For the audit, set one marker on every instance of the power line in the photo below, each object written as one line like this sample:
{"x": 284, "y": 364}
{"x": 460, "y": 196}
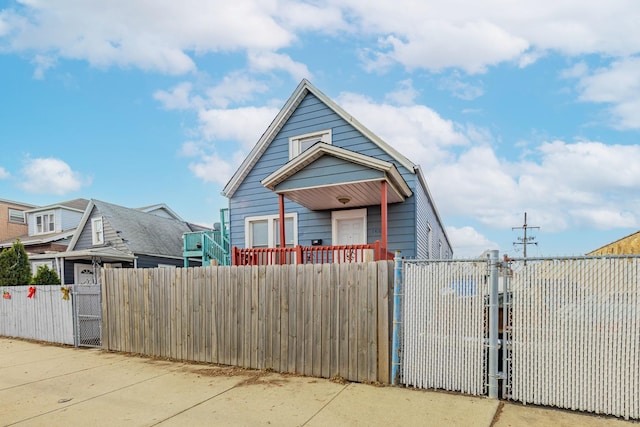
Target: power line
{"x": 525, "y": 240}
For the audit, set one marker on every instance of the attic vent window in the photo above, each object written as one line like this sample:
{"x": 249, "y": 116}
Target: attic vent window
{"x": 16, "y": 215}
{"x": 97, "y": 231}
{"x": 300, "y": 143}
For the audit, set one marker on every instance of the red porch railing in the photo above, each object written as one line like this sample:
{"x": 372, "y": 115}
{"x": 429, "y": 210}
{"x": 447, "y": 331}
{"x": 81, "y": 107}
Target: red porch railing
{"x": 310, "y": 254}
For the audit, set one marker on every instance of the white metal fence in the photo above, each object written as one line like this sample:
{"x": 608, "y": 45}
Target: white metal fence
{"x": 44, "y": 316}
{"x": 444, "y": 325}
{"x": 575, "y": 334}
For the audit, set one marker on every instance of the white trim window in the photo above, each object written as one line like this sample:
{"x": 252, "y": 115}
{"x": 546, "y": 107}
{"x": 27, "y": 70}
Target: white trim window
{"x": 45, "y": 223}
{"x": 300, "y": 143}
{"x": 264, "y": 231}
{"x": 356, "y": 219}
{"x": 16, "y": 215}
{"x": 97, "y": 231}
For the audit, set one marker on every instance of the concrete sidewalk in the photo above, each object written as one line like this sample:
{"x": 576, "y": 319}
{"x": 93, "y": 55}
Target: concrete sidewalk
{"x": 46, "y": 385}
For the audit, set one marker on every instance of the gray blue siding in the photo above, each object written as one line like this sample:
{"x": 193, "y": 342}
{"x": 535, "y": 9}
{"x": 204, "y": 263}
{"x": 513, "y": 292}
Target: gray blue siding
{"x": 252, "y": 199}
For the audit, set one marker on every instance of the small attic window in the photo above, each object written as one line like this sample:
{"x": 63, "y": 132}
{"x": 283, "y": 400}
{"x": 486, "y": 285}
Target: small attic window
{"x": 299, "y": 143}
{"x": 97, "y": 231}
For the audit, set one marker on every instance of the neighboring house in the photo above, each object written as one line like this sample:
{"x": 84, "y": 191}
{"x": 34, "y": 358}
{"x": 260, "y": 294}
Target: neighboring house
{"x": 627, "y": 245}
{"x": 334, "y": 182}
{"x": 13, "y": 221}
{"x": 49, "y": 229}
{"x": 109, "y": 235}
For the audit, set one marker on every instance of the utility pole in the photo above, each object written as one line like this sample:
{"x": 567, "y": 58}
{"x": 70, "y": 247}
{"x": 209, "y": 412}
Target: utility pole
{"x": 525, "y": 241}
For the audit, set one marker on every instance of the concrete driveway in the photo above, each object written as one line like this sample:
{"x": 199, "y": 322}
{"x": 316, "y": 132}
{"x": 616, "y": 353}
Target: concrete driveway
{"x": 47, "y": 385}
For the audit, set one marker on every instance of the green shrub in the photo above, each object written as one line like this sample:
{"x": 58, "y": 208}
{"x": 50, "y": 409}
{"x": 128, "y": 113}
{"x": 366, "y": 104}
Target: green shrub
{"x": 45, "y": 276}
{"x": 14, "y": 266}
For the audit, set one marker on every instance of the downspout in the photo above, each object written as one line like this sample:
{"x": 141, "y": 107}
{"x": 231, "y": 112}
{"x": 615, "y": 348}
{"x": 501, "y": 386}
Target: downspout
{"x": 397, "y": 320}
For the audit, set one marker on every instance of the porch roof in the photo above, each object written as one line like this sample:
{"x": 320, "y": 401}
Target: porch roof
{"x": 354, "y": 180}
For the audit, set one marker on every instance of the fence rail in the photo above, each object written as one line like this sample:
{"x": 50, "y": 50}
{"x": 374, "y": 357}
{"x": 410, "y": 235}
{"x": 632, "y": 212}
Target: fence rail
{"x": 322, "y": 320}
{"x": 45, "y": 316}
{"x": 311, "y": 254}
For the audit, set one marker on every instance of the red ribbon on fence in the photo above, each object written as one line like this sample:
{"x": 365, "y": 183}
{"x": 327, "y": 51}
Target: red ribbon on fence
{"x": 32, "y": 291}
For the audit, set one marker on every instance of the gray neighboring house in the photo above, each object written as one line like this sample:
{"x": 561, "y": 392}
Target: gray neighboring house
{"x": 49, "y": 230}
{"x": 110, "y": 235}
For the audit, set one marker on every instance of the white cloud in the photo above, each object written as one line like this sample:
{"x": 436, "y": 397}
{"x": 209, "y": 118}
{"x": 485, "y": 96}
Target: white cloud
{"x": 178, "y": 98}
{"x": 3, "y": 173}
{"x": 616, "y": 85}
{"x": 460, "y": 88}
{"x": 212, "y": 168}
{"x": 51, "y": 176}
{"x": 436, "y": 35}
{"x": 157, "y": 36}
{"x": 416, "y": 131}
{"x": 467, "y": 242}
{"x": 266, "y": 61}
{"x": 241, "y": 125}
{"x": 405, "y": 94}
{"x": 235, "y": 88}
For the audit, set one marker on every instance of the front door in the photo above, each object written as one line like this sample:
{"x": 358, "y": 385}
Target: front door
{"x": 349, "y": 227}
{"x": 83, "y": 274}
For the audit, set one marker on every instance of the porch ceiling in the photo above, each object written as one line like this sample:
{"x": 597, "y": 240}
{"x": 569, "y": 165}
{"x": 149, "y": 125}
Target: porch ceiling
{"x": 366, "y": 193}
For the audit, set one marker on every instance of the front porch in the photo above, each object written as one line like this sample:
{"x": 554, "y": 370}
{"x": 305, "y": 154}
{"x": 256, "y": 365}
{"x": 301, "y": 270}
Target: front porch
{"x": 310, "y": 254}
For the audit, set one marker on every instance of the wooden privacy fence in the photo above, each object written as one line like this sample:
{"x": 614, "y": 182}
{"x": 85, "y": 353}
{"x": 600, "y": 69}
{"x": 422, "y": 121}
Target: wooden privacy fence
{"x": 324, "y": 320}
{"x": 42, "y": 316}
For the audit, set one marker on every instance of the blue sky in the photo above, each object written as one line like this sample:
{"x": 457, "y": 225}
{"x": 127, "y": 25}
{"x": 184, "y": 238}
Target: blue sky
{"x": 508, "y": 107}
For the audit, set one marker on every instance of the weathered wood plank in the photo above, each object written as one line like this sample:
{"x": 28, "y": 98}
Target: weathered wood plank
{"x": 354, "y": 312}
{"x": 212, "y": 309}
{"x": 174, "y": 313}
{"x": 257, "y": 276}
{"x": 234, "y": 324}
{"x": 308, "y": 285}
{"x": 283, "y": 284}
{"x": 267, "y": 330}
{"x": 107, "y": 283}
{"x": 362, "y": 325}
{"x": 325, "y": 314}
{"x": 316, "y": 320}
{"x": 293, "y": 304}
{"x": 372, "y": 321}
{"x": 275, "y": 319}
{"x": 299, "y": 319}
{"x": 343, "y": 321}
{"x": 262, "y": 326}
{"x": 246, "y": 330}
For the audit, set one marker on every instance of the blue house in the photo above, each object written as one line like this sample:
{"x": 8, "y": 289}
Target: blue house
{"x": 320, "y": 187}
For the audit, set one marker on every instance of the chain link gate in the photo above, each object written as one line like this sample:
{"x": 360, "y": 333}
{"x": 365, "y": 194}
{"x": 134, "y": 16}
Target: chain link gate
{"x": 444, "y": 338}
{"x": 571, "y": 333}
{"x": 87, "y": 313}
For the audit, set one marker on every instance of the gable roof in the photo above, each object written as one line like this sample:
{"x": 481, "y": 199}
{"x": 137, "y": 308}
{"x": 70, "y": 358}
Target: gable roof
{"x": 160, "y": 207}
{"x": 141, "y": 232}
{"x": 321, "y": 149}
{"x": 304, "y": 88}
{"x": 629, "y": 244}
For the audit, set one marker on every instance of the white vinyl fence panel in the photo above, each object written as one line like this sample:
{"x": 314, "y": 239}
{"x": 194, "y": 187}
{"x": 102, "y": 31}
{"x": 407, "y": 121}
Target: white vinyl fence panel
{"x": 443, "y": 330}
{"x": 44, "y": 317}
{"x": 576, "y": 334}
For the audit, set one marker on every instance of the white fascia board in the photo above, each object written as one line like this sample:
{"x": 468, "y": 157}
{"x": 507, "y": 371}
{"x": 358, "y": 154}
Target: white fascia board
{"x": 81, "y": 225}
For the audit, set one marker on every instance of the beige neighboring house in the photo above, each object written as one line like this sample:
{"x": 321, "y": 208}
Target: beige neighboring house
{"x": 13, "y": 220}
{"x": 627, "y": 245}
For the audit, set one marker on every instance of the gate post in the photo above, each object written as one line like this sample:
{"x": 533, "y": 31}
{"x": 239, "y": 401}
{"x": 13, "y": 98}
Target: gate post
{"x": 493, "y": 324}
{"x": 397, "y": 315}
